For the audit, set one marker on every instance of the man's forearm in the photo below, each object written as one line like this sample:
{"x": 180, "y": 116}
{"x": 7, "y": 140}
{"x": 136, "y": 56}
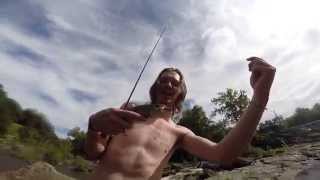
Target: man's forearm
{"x": 239, "y": 137}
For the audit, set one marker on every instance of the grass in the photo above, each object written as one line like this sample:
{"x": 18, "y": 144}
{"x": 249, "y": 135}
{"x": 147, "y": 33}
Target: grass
{"x": 14, "y": 129}
{"x": 32, "y": 150}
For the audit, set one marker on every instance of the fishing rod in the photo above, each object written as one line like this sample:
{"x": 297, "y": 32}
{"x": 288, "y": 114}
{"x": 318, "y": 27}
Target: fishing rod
{"x": 148, "y": 59}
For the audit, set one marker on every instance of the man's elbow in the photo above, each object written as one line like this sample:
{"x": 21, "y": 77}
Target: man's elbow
{"x": 226, "y": 157}
{"x": 228, "y": 161}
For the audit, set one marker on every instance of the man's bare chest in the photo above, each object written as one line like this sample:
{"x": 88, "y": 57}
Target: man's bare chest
{"x": 154, "y": 138}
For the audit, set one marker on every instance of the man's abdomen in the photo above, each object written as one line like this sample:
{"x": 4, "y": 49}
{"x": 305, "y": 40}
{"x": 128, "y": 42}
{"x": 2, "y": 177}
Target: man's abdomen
{"x": 141, "y": 152}
{"x": 134, "y": 161}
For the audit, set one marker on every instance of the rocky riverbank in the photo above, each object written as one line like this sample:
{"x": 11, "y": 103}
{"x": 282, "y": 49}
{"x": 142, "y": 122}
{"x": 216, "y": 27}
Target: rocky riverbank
{"x": 298, "y": 162}
{"x": 36, "y": 171}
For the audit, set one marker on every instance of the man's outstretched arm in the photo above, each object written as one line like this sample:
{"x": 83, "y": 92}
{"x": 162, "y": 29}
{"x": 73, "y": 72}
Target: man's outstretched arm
{"x": 240, "y": 136}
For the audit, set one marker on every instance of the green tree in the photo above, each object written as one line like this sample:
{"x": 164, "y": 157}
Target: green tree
{"x": 316, "y": 108}
{"x": 77, "y": 139}
{"x": 275, "y": 124}
{"x": 303, "y": 115}
{"x": 5, "y": 121}
{"x": 216, "y": 131}
{"x": 10, "y": 111}
{"x": 269, "y": 134}
{"x": 33, "y": 119}
{"x": 230, "y": 105}
{"x": 57, "y": 151}
{"x": 196, "y": 120}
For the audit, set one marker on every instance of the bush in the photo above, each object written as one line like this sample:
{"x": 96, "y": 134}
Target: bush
{"x": 27, "y": 152}
{"x": 268, "y": 140}
{"x": 77, "y": 140}
{"x": 257, "y": 152}
{"x": 10, "y": 111}
{"x": 269, "y": 134}
{"x": 5, "y": 122}
{"x": 56, "y": 152}
{"x": 81, "y": 165}
{"x": 303, "y": 115}
{"x": 53, "y": 157}
{"x": 29, "y": 135}
{"x": 35, "y": 120}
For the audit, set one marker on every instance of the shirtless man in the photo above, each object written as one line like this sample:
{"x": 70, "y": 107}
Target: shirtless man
{"x": 141, "y": 146}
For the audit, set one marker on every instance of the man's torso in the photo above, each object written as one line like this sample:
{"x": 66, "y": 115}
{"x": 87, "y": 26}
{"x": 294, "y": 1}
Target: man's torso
{"x": 141, "y": 152}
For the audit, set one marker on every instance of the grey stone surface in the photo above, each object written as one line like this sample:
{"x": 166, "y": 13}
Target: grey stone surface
{"x": 298, "y": 162}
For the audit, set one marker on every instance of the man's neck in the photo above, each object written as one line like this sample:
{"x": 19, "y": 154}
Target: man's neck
{"x": 165, "y": 111}
{"x": 167, "y": 115}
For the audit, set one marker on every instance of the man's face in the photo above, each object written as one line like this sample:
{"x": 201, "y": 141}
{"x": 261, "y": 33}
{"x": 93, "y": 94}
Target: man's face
{"x": 168, "y": 88}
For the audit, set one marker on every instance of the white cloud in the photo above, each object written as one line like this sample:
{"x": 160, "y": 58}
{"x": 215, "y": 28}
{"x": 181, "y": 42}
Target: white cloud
{"x": 98, "y": 47}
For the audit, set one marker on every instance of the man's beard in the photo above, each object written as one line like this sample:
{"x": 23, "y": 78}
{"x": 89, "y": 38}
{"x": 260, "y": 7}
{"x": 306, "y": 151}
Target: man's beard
{"x": 166, "y": 100}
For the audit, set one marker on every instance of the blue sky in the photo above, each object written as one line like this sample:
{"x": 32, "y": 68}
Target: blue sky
{"x": 71, "y": 58}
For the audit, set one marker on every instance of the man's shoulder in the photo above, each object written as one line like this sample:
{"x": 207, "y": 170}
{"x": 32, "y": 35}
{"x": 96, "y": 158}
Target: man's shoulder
{"x": 183, "y": 130}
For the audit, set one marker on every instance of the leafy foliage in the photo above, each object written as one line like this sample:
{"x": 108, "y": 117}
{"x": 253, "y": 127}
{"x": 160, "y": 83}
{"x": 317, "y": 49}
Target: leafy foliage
{"x": 257, "y": 152}
{"x": 230, "y": 104}
{"x": 32, "y": 119}
{"x": 217, "y": 131}
{"x": 303, "y": 115}
{"x": 80, "y": 164}
{"x": 77, "y": 140}
{"x": 10, "y": 111}
{"x": 195, "y": 120}
{"x": 57, "y": 152}
{"x": 29, "y": 134}
{"x": 268, "y": 134}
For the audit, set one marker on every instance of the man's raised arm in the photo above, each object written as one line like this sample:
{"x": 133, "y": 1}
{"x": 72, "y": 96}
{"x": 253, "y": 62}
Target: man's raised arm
{"x": 236, "y": 141}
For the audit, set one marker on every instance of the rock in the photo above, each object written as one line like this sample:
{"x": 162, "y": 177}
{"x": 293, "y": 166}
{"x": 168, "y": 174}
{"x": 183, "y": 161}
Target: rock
{"x": 298, "y": 162}
{"x": 36, "y": 171}
{"x": 239, "y": 162}
{"x": 187, "y": 174}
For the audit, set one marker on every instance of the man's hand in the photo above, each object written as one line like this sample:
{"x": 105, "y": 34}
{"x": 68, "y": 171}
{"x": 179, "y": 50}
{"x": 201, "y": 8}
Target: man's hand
{"x": 261, "y": 80}
{"x": 113, "y": 121}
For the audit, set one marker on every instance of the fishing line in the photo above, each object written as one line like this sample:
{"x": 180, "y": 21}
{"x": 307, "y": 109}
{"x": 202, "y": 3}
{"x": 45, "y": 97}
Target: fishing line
{"x": 148, "y": 59}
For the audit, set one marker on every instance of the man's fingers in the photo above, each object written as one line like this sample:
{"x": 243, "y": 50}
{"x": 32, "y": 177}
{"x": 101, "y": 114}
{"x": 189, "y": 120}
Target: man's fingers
{"x": 129, "y": 106}
{"x": 115, "y": 131}
{"x": 128, "y": 115}
{"x": 116, "y": 120}
{"x": 116, "y": 125}
{"x": 262, "y": 69}
{"x": 255, "y": 61}
{"x": 250, "y": 65}
{"x": 255, "y": 58}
